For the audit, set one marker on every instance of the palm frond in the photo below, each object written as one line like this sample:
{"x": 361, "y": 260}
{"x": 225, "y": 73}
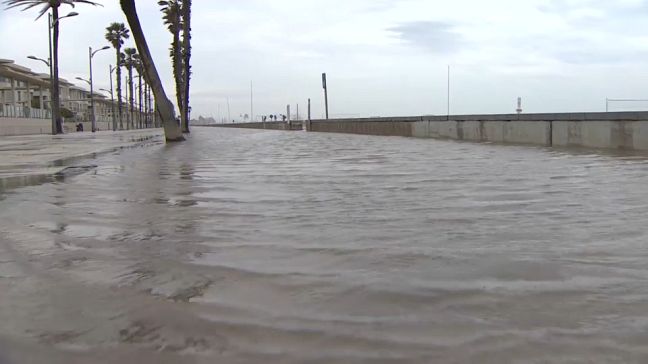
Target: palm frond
{"x": 46, "y": 4}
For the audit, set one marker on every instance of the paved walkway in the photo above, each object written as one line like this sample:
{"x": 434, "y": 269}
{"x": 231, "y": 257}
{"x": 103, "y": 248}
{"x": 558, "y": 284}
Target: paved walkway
{"x": 30, "y": 155}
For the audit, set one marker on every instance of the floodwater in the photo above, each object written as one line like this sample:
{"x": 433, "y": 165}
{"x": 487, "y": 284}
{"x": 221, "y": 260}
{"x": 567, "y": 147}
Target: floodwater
{"x": 250, "y": 246}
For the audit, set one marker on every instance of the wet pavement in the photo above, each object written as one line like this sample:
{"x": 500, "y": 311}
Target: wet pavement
{"x": 248, "y": 246}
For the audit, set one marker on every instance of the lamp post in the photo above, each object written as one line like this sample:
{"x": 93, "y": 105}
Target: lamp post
{"x": 54, "y": 90}
{"x": 48, "y": 63}
{"x": 88, "y": 82}
{"x": 112, "y": 99}
{"x": 112, "y": 105}
{"x": 91, "y": 54}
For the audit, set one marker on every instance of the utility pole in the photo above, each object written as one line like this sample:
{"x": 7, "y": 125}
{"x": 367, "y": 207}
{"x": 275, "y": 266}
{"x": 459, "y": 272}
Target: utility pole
{"x": 325, "y": 94}
{"x": 251, "y": 103}
{"x": 297, "y": 116}
{"x": 308, "y": 123}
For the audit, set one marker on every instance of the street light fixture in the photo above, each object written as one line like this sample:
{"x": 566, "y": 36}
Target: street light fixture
{"x": 91, "y": 54}
{"x": 83, "y": 79}
{"x": 47, "y": 63}
{"x": 71, "y": 14}
{"x": 112, "y": 104}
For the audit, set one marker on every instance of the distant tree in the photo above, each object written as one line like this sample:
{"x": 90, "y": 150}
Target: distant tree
{"x": 138, "y": 68}
{"x": 130, "y": 59}
{"x": 172, "y": 16}
{"x": 116, "y": 33}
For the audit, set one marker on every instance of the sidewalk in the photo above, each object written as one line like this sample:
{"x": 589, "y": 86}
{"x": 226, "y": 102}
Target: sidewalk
{"x": 31, "y": 155}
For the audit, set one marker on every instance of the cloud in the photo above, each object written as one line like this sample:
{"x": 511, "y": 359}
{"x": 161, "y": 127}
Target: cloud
{"x": 435, "y": 36}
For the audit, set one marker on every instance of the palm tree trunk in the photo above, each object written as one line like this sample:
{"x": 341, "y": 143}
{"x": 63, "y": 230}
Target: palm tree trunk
{"x": 186, "y": 34}
{"x": 172, "y": 130}
{"x": 177, "y": 71}
{"x": 56, "y": 97}
{"x": 131, "y": 97}
{"x": 128, "y": 122}
{"x": 140, "y": 102}
{"x": 119, "y": 90}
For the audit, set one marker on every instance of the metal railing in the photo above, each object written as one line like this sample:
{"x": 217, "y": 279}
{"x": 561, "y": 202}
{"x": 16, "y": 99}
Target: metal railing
{"x": 11, "y": 111}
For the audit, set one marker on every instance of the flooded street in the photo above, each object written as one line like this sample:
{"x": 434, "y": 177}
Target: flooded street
{"x": 251, "y": 246}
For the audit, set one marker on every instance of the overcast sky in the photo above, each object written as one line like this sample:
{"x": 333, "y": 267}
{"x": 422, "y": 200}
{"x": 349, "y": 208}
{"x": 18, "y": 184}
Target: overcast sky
{"x": 383, "y": 57}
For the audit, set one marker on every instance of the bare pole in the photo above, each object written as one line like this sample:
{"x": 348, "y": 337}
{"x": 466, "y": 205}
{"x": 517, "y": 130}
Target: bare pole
{"x": 308, "y": 125}
{"x": 229, "y": 116}
{"x": 52, "y": 86}
{"x": 112, "y": 100}
{"x": 251, "y": 102}
{"x": 325, "y": 94}
{"x": 448, "y": 91}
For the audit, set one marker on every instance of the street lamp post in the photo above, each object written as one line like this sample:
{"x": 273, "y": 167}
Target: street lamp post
{"x": 88, "y": 82}
{"x": 48, "y": 62}
{"x": 112, "y": 105}
{"x": 112, "y": 99}
{"x": 91, "y": 54}
{"x": 54, "y": 92}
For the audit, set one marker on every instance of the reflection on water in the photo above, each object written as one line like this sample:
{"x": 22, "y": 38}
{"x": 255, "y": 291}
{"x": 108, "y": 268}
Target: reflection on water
{"x": 261, "y": 246}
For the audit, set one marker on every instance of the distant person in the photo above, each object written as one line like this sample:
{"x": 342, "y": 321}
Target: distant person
{"x": 79, "y": 127}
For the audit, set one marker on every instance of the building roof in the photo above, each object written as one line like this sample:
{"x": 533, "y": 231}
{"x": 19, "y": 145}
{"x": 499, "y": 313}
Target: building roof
{"x": 20, "y": 73}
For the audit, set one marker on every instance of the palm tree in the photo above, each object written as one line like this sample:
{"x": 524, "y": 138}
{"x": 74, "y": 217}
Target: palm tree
{"x": 172, "y": 10}
{"x": 116, "y": 33}
{"x": 46, "y": 5}
{"x": 138, "y": 68}
{"x": 186, "y": 52}
{"x": 130, "y": 60}
{"x": 172, "y": 130}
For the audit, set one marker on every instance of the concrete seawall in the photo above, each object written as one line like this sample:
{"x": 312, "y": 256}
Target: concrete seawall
{"x": 269, "y": 125}
{"x": 620, "y": 130}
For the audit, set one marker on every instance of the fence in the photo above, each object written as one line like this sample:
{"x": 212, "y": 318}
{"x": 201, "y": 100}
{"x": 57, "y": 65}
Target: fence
{"x": 11, "y": 111}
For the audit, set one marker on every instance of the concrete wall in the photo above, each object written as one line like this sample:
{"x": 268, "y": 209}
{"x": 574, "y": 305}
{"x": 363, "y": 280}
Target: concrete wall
{"x": 268, "y": 125}
{"x": 22, "y": 126}
{"x": 621, "y": 130}
{"x": 622, "y": 134}
{"x": 363, "y": 127}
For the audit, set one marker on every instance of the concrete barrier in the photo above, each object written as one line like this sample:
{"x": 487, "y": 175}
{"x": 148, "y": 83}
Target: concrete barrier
{"x": 268, "y": 125}
{"x": 622, "y": 134}
{"x": 22, "y": 126}
{"x": 618, "y": 130}
{"x": 364, "y": 127}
